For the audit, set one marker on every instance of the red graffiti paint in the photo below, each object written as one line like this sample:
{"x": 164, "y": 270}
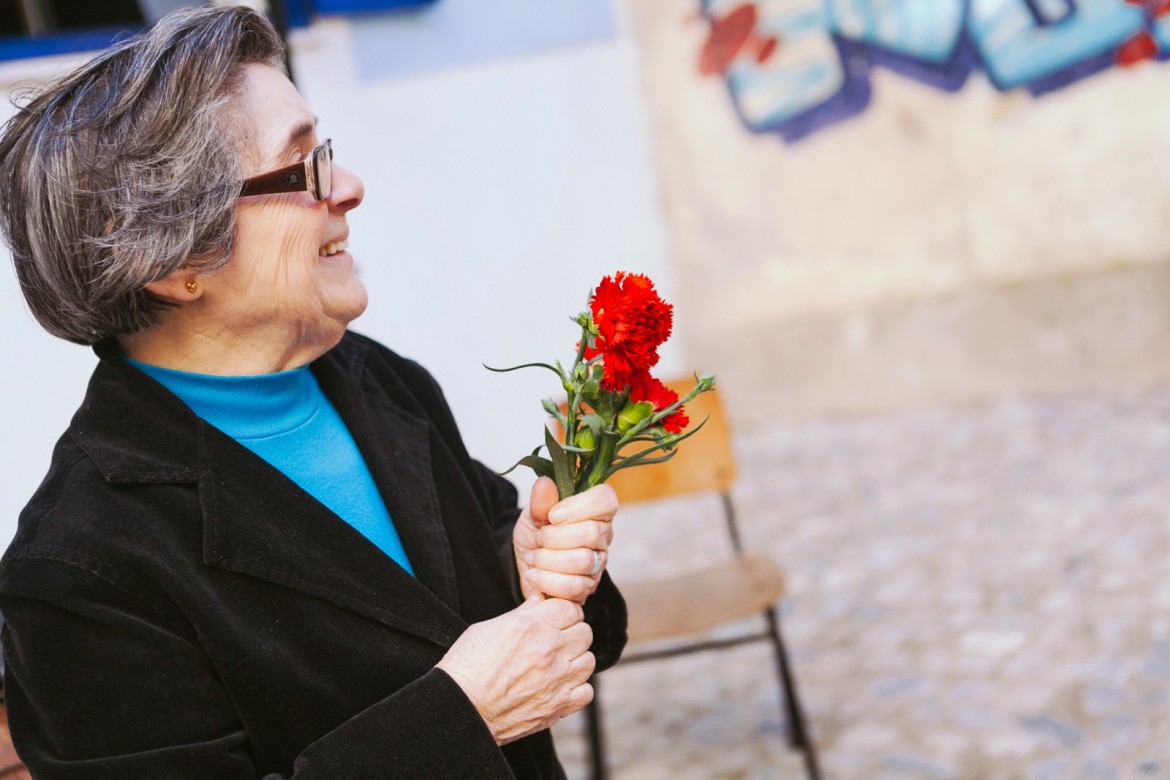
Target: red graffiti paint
{"x": 733, "y": 36}
{"x": 767, "y": 49}
{"x": 1138, "y": 48}
{"x": 728, "y": 35}
{"x": 1157, "y": 8}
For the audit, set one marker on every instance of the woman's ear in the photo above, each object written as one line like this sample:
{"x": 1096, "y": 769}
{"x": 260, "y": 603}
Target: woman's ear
{"x": 180, "y": 287}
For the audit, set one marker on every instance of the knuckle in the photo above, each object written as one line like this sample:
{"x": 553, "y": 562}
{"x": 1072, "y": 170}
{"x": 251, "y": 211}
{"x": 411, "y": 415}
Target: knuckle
{"x": 582, "y": 586}
{"x": 610, "y": 496}
{"x": 544, "y": 652}
{"x": 565, "y": 609}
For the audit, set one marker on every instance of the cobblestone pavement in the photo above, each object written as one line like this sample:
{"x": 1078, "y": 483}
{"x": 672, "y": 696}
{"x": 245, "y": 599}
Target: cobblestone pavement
{"x": 974, "y": 593}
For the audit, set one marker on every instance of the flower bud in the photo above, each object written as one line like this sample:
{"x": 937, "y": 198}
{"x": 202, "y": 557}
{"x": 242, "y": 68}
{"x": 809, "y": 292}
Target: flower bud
{"x": 584, "y": 439}
{"x": 706, "y": 381}
{"x": 590, "y": 389}
{"x": 550, "y": 407}
{"x": 632, "y": 414}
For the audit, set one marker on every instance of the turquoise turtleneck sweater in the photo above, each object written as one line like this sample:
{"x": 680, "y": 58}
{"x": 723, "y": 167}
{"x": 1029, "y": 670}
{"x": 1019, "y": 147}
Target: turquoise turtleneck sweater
{"x": 286, "y": 420}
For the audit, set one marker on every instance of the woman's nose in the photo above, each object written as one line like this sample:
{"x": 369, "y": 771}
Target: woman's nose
{"x": 348, "y": 190}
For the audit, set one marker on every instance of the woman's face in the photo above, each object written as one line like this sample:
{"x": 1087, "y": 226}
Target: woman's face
{"x": 290, "y": 289}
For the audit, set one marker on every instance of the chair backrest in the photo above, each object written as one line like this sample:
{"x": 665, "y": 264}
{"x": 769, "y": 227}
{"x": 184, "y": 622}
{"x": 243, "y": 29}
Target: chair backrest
{"x": 702, "y": 463}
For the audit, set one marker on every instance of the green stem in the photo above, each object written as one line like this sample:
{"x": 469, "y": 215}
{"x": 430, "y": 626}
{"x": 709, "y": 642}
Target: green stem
{"x": 571, "y": 420}
{"x": 574, "y": 397}
{"x": 602, "y": 457}
{"x": 581, "y": 346}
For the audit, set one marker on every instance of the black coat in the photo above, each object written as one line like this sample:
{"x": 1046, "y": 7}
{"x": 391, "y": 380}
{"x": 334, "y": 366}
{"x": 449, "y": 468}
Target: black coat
{"x": 176, "y": 607}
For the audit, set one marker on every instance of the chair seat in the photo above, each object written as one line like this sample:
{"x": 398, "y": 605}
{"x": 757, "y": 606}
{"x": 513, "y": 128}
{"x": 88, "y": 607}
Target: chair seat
{"x": 10, "y": 766}
{"x": 698, "y": 601}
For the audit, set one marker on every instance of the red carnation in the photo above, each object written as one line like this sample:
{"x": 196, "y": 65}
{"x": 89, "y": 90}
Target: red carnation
{"x": 632, "y": 321}
{"x": 647, "y": 388}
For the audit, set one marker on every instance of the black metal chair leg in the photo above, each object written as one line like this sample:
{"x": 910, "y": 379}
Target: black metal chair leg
{"x": 797, "y": 725}
{"x": 596, "y": 737}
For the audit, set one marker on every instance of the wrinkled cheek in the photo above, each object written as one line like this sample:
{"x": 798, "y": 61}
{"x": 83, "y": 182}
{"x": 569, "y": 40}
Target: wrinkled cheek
{"x": 290, "y": 247}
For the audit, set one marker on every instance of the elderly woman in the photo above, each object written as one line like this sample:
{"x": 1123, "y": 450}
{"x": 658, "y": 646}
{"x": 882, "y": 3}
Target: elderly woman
{"x": 261, "y": 549}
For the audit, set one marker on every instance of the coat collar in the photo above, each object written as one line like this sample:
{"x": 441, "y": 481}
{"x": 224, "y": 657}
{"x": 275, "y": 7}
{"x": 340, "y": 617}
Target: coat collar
{"x": 258, "y": 522}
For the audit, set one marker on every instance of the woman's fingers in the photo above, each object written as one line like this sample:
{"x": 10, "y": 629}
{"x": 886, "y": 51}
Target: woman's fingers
{"x": 582, "y": 667}
{"x": 580, "y": 697}
{"x": 571, "y": 587}
{"x": 595, "y": 534}
{"x": 578, "y": 637}
{"x": 557, "y": 613}
{"x": 566, "y": 557}
{"x": 579, "y": 560}
{"x": 525, "y": 669}
{"x": 599, "y": 502}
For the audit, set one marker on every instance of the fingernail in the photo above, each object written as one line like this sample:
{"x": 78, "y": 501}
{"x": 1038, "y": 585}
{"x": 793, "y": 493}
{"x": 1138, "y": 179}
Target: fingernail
{"x": 556, "y": 514}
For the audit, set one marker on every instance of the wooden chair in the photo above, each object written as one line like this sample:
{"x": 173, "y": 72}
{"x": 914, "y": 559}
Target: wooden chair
{"x": 10, "y": 766}
{"x": 687, "y": 606}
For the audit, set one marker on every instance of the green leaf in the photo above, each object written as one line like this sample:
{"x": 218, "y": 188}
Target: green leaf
{"x": 543, "y": 467}
{"x": 554, "y": 411}
{"x": 637, "y": 460}
{"x": 525, "y": 365}
{"x": 562, "y": 469}
{"x": 594, "y": 422}
{"x": 590, "y": 389}
{"x": 642, "y": 457}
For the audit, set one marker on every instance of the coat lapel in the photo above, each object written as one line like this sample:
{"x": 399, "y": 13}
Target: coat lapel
{"x": 256, "y": 521}
{"x": 397, "y": 449}
{"x": 260, "y": 523}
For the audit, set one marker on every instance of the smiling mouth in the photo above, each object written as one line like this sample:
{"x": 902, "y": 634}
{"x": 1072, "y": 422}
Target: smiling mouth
{"x": 332, "y": 248}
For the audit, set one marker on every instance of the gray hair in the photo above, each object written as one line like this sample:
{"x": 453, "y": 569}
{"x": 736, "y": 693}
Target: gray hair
{"x": 128, "y": 169}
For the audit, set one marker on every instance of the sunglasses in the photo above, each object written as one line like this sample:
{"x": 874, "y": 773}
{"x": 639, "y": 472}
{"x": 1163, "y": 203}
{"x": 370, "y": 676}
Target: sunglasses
{"x": 314, "y": 174}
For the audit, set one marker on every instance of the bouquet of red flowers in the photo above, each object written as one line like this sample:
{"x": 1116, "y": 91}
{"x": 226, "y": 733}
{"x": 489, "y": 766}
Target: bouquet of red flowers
{"x": 613, "y": 401}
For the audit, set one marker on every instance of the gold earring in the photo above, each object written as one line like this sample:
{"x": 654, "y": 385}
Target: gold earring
{"x": 192, "y": 286}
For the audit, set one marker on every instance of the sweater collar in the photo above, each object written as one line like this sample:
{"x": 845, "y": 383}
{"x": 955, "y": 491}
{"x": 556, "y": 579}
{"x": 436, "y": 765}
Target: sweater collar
{"x": 135, "y": 430}
{"x": 244, "y": 407}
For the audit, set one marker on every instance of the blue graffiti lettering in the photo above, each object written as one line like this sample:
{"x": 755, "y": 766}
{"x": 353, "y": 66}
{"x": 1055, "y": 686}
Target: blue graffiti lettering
{"x": 808, "y": 73}
{"x": 1162, "y": 33}
{"x": 1017, "y": 51}
{"x": 922, "y": 29}
{"x": 819, "y": 73}
{"x": 1046, "y": 12}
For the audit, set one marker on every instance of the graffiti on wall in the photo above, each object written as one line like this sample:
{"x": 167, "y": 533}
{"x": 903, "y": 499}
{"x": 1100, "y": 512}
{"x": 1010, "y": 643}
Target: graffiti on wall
{"x": 795, "y": 66}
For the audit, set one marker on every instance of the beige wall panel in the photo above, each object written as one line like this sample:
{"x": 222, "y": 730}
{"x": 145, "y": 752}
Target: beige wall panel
{"x": 919, "y": 251}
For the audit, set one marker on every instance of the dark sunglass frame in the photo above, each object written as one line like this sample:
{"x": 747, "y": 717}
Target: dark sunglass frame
{"x": 313, "y": 174}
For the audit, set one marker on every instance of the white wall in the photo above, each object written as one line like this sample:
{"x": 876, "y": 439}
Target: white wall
{"x": 497, "y": 194}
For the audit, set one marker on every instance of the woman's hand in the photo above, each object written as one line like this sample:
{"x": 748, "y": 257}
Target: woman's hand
{"x": 525, "y": 669}
{"x": 562, "y": 547}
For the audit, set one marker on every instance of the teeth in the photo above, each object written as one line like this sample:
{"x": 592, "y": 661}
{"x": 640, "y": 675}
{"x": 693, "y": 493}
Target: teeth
{"x": 333, "y": 248}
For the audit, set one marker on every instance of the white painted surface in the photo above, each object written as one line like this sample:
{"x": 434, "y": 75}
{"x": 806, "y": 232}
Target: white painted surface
{"x": 496, "y": 196}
